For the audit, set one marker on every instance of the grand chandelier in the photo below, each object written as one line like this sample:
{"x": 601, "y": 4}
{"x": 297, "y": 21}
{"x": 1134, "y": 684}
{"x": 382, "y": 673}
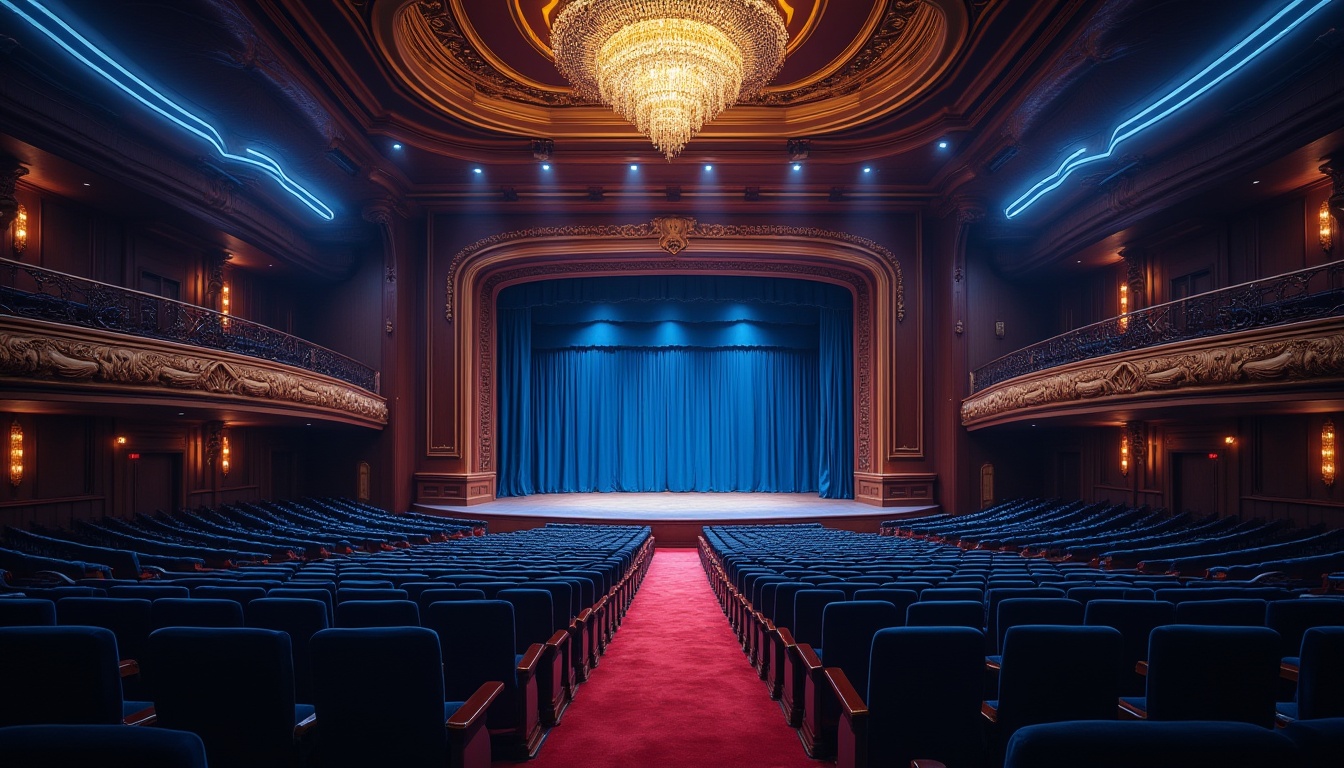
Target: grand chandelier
{"x": 669, "y": 66}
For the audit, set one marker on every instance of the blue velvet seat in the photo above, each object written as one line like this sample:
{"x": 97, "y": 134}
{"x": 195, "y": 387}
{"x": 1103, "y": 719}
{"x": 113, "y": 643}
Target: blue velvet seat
{"x": 1240, "y": 612}
{"x": 326, "y": 597}
{"x": 240, "y": 593}
{"x": 1319, "y": 742}
{"x": 808, "y": 608}
{"x": 901, "y": 598}
{"x": 27, "y": 612}
{"x": 921, "y": 700}
{"x": 127, "y": 618}
{"x": 997, "y": 594}
{"x": 354, "y": 614}
{"x": 1016, "y": 611}
{"x": 477, "y": 638}
{"x": 63, "y": 675}
{"x": 345, "y": 594}
{"x": 105, "y": 746}
{"x": 1135, "y": 619}
{"x": 946, "y": 613}
{"x": 233, "y": 687}
{"x": 446, "y": 594}
{"x": 1055, "y": 673}
{"x": 946, "y": 592}
{"x": 534, "y": 623}
{"x": 1128, "y": 744}
{"x": 195, "y": 612}
{"x": 393, "y": 711}
{"x": 300, "y": 618}
{"x": 847, "y": 630}
{"x": 1320, "y": 677}
{"x": 1291, "y": 618}
{"x": 1209, "y": 673}
{"x": 148, "y": 591}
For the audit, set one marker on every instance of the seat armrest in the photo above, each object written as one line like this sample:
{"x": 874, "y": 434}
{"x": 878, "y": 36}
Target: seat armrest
{"x": 991, "y": 713}
{"x": 305, "y": 725}
{"x": 473, "y": 709}
{"x": 561, "y": 637}
{"x": 1141, "y": 667}
{"x": 1288, "y": 671}
{"x": 809, "y": 658}
{"x": 145, "y": 716}
{"x": 852, "y": 704}
{"x": 128, "y": 667}
{"x": 1132, "y": 711}
{"x": 992, "y": 665}
{"x": 785, "y": 637}
{"x": 528, "y": 666}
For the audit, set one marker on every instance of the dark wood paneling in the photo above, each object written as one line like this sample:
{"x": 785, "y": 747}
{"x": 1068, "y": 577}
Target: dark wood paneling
{"x": 66, "y": 242}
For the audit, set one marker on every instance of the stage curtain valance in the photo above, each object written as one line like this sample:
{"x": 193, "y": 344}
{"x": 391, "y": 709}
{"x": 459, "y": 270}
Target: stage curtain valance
{"x": 676, "y": 383}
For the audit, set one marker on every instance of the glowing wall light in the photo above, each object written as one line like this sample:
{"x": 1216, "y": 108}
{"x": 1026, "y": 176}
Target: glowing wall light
{"x": 1327, "y": 227}
{"x": 20, "y": 240}
{"x": 1124, "y": 452}
{"x": 1124, "y": 307}
{"x": 225, "y": 455}
{"x": 15, "y": 454}
{"x": 225, "y": 305}
{"x": 88, "y": 54}
{"x": 1328, "y": 453}
{"x": 1232, "y": 60}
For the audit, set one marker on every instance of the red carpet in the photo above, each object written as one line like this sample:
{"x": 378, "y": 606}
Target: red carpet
{"x": 674, "y": 689}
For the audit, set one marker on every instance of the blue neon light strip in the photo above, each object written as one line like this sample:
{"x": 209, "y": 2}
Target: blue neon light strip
{"x": 1220, "y": 69}
{"x": 90, "y": 56}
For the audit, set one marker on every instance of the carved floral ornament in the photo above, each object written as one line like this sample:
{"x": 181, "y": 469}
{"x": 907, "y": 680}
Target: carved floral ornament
{"x": 674, "y": 235}
{"x": 34, "y": 355}
{"x": 1231, "y": 363}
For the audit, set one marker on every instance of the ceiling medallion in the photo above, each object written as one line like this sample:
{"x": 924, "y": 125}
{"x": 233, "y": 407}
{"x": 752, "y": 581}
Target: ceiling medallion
{"x": 669, "y": 66}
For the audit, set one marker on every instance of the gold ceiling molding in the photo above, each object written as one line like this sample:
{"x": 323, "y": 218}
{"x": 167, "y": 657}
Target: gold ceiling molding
{"x": 674, "y": 234}
{"x": 35, "y": 351}
{"x": 905, "y": 47}
{"x": 1307, "y": 353}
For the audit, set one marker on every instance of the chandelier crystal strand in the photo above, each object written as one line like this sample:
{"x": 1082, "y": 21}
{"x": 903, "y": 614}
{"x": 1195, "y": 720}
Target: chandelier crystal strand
{"x": 669, "y": 66}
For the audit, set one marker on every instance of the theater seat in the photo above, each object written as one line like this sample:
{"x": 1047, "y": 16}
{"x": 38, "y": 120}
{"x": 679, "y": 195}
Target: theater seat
{"x": 1320, "y": 680}
{"x": 353, "y": 614}
{"x": 847, "y": 630}
{"x": 64, "y": 675}
{"x": 300, "y": 618}
{"x": 393, "y": 712}
{"x": 104, "y": 746}
{"x": 1128, "y": 744}
{"x": 27, "y": 612}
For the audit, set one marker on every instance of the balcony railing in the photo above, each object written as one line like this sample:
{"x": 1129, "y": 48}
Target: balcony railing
{"x": 44, "y": 294}
{"x": 1306, "y": 294}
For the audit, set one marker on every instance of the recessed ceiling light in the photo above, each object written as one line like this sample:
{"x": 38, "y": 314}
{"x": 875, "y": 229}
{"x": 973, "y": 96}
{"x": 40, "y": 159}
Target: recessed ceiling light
{"x": 634, "y": 167}
{"x": 942, "y": 144}
{"x": 477, "y": 170}
{"x": 545, "y": 166}
{"x": 1257, "y": 181}
{"x": 867, "y": 170}
{"x": 797, "y": 166}
{"x": 396, "y": 145}
{"x": 709, "y": 167}
{"x": 181, "y": 413}
{"x": 87, "y": 184}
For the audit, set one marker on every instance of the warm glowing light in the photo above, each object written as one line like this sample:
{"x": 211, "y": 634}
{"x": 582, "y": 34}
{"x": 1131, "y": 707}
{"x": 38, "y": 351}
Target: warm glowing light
{"x": 1328, "y": 453}
{"x": 1327, "y": 228}
{"x": 225, "y": 455}
{"x": 669, "y": 66}
{"x": 1124, "y": 454}
{"x": 1124, "y": 307}
{"x": 121, "y": 440}
{"x": 1229, "y": 440}
{"x": 21, "y": 230}
{"x": 15, "y": 454}
{"x": 225, "y": 304}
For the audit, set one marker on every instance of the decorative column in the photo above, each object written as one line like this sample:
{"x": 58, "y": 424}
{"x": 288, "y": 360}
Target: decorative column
{"x": 10, "y": 173}
{"x": 1136, "y": 261}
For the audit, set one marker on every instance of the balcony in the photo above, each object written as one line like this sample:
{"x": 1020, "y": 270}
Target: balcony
{"x": 1281, "y": 336}
{"x": 61, "y": 333}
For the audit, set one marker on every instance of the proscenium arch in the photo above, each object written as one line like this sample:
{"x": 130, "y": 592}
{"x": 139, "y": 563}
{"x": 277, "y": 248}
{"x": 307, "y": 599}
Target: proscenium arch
{"x": 673, "y": 245}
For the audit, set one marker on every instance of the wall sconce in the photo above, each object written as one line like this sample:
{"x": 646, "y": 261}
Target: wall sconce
{"x": 1327, "y": 227}
{"x": 1124, "y": 307}
{"x": 1328, "y": 453}
{"x": 225, "y": 304}
{"x": 15, "y": 454}
{"x": 121, "y": 439}
{"x": 1124, "y": 452}
{"x": 20, "y": 230}
{"x": 225, "y": 455}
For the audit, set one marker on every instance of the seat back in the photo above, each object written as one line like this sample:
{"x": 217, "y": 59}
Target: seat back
{"x": 450, "y": 594}
{"x": 1212, "y": 673}
{"x": 1320, "y": 679}
{"x": 27, "y": 612}
{"x": 196, "y": 612}
{"x": 929, "y": 709}
{"x": 128, "y": 619}
{"x": 304, "y": 593}
{"x": 946, "y": 613}
{"x": 1291, "y": 618}
{"x": 901, "y": 598}
{"x": 232, "y": 686}
{"x": 105, "y": 746}
{"x": 64, "y": 675}
{"x": 1135, "y": 619}
{"x": 533, "y": 617}
{"x": 477, "y": 638}
{"x": 847, "y": 630}
{"x": 953, "y": 593}
{"x": 379, "y": 697}
{"x": 355, "y": 614}
{"x": 1126, "y": 744}
{"x": 1052, "y": 673}
{"x": 148, "y": 591}
{"x": 300, "y": 618}
{"x": 239, "y": 593}
{"x": 997, "y": 594}
{"x": 1240, "y": 612}
{"x": 344, "y": 594}
{"x": 1038, "y": 610}
{"x": 808, "y": 606}
{"x": 782, "y": 610}
{"x": 1086, "y": 594}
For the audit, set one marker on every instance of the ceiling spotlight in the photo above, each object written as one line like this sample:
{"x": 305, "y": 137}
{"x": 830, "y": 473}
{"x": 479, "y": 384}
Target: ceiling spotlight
{"x": 867, "y": 170}
{"x": 942, "y": 144}
{"x": 709, "y": 167}
{"x": 797, "y": 166}
{"x": 545, "y": 166}
{"x": 396, "y": 145}
{"x": 1257, "y": 181}
{"x": 634, "y": 167}
{"x": 477, "y": 170}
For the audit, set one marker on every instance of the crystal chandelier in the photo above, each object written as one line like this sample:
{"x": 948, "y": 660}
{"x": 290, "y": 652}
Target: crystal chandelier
{"x": 669, "y": 66}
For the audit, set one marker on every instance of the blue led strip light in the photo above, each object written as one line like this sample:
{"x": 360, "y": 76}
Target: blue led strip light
{"x": 90, "y": 56}
{"x": 1219, "y": 69}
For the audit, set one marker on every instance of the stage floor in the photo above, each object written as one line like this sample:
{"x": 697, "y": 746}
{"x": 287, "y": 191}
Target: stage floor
{"x": 676, "y": 518}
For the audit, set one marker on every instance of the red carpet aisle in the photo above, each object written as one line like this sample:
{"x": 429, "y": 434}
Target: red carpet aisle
{"x": 674, "y": 689}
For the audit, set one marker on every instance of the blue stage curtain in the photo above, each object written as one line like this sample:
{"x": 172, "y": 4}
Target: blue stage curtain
{"x": 680, "y": 383}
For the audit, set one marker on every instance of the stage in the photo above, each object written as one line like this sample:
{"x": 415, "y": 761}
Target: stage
{"x": 676, "y": 518}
